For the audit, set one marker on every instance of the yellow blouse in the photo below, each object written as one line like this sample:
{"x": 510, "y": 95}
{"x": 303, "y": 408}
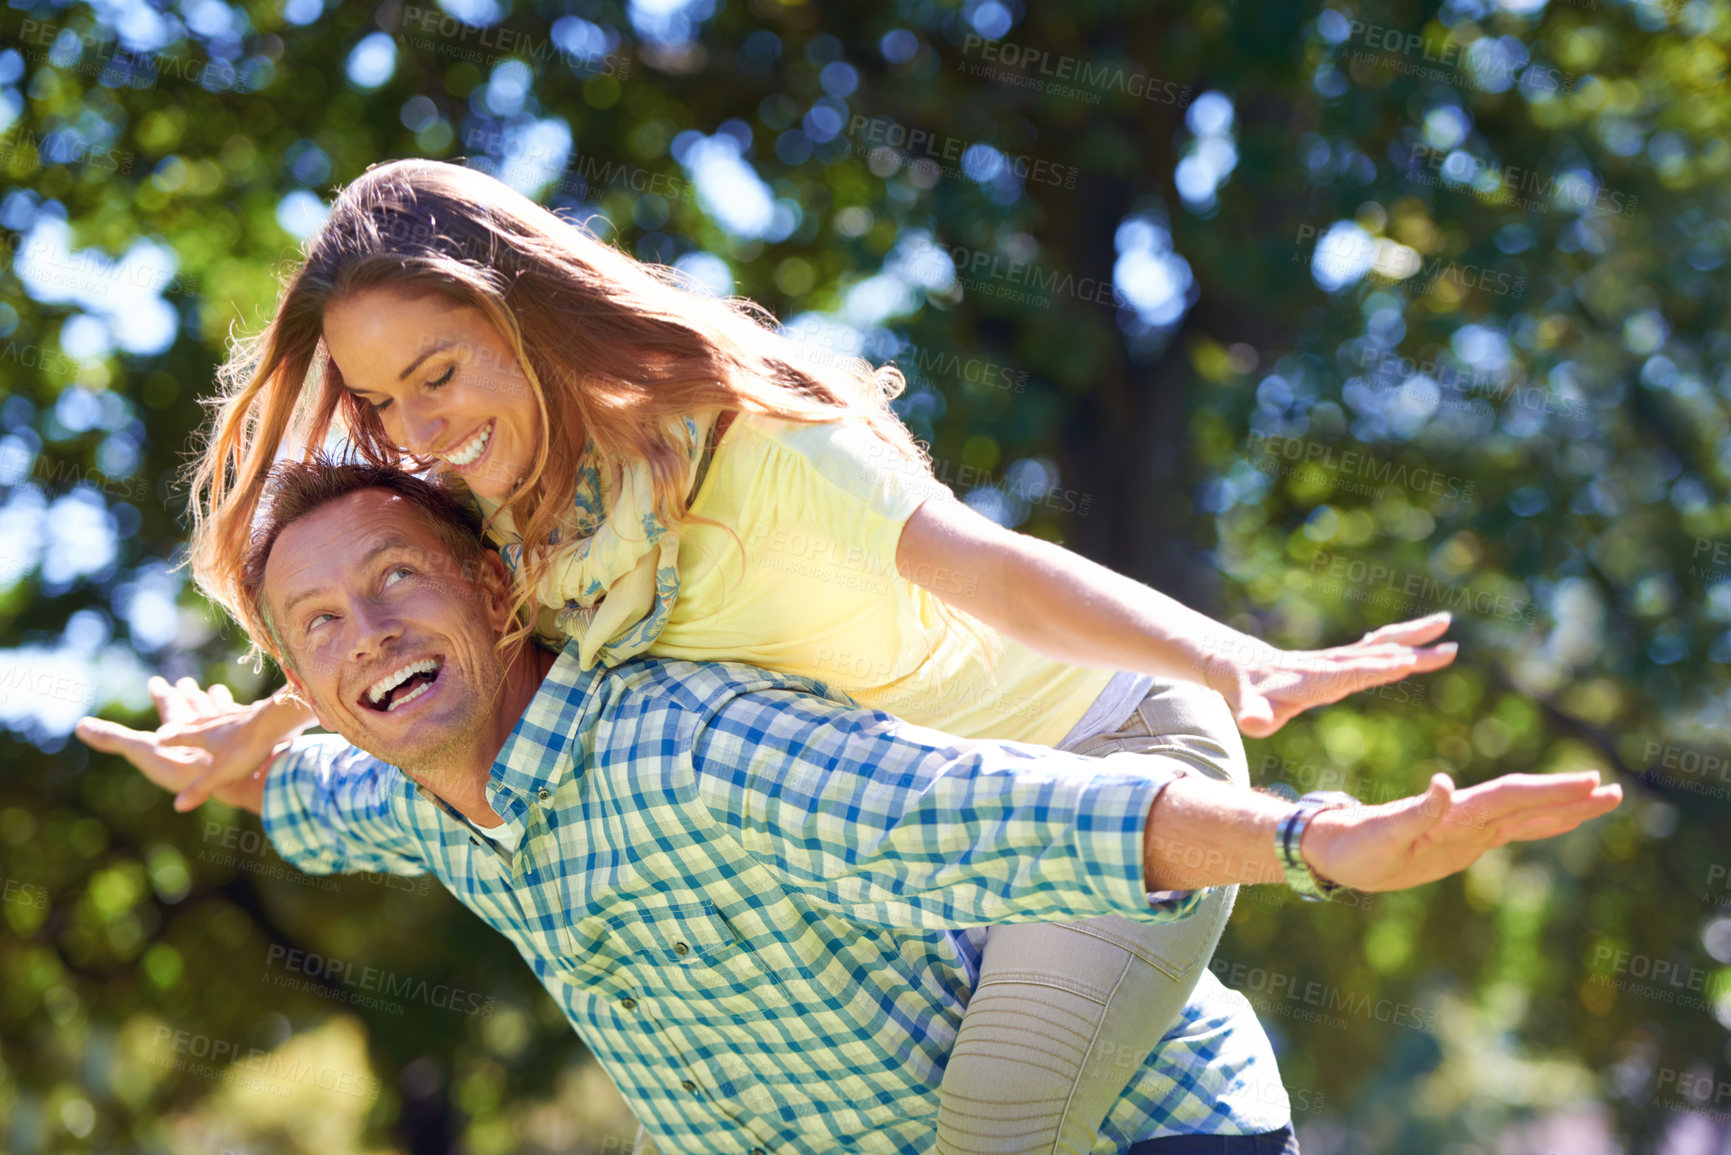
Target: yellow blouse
{"x": 788, "y": 562}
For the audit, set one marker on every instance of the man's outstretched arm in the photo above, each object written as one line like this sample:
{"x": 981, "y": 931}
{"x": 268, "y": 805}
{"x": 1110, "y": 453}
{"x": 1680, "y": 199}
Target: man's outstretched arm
{"x": 1206, "y": 833}
{"x": 160, "y": 758}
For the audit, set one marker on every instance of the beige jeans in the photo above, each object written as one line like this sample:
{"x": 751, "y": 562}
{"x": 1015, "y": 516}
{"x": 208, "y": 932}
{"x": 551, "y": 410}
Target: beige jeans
{"x": 1066, "y": 1012}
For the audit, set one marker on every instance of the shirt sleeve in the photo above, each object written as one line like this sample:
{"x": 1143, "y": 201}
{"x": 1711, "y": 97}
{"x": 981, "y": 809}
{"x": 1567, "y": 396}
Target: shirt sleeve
{"x": 901, "y": 826}
{"x": 879, "y": 486}
{"x": 329, "y": 808}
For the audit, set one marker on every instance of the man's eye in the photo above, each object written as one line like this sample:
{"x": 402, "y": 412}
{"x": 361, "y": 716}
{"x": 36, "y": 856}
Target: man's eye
{"x": 396, "y": 574}
{"x": 317, "y": 620}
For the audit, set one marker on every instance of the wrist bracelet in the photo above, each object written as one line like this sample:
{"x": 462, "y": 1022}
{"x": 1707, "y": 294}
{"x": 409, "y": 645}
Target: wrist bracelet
{"x": 1309, "y": 885}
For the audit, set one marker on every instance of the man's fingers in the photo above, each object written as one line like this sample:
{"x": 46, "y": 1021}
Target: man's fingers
{"x": 137, "y": 747}
{"x": 195, "y": 697}
{"x": 1559, "y": 818}
{"x": 197, "y": 792}
{"x": 1506, "y": 796}
{"x": 171, "y": 706}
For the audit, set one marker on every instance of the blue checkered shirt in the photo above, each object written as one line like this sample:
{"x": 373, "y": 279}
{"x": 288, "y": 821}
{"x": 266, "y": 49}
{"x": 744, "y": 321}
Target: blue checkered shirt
{"x": 753, "y": 901}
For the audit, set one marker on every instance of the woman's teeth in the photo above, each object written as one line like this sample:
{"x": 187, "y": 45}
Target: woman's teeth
{"x": 471, "y": 449}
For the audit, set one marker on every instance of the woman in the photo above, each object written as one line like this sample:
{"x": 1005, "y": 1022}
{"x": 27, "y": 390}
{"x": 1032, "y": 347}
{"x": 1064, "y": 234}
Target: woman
{"x": 666, "y": 474}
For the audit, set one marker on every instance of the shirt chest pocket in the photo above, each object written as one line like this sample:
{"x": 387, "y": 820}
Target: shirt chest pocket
{"x": 696, "y": 952}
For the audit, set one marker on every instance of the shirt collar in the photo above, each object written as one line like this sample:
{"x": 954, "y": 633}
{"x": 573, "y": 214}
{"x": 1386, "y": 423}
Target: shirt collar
{"x": 536, "y": 755}
{"x": 542, "y": 747}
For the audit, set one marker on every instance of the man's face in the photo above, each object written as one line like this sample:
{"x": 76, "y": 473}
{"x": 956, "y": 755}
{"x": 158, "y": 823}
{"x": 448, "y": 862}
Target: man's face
{"x": 384, "y": 635}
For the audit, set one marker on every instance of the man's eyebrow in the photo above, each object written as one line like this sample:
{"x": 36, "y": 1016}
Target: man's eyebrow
{"x": 383, "y": 545}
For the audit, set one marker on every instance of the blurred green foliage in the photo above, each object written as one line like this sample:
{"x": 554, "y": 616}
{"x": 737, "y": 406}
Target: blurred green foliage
{"x": 1514, "y": 405}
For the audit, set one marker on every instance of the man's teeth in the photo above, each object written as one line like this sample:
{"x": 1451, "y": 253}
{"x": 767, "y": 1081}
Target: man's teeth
{"x": 391, "y": 681}
{"x": 410, "y": 696}
{"x": 471, "y": 449}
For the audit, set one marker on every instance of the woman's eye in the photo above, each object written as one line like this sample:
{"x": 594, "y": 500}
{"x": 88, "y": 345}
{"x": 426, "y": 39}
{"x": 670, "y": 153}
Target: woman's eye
{"x": 442, "y": 380}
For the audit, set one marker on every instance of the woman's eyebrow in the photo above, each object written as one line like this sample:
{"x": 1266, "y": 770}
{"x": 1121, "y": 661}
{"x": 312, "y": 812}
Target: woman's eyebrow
{"x": 416, "y": 363}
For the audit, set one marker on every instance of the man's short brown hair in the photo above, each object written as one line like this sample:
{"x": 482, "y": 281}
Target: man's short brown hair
{"x": 297, "y": 488}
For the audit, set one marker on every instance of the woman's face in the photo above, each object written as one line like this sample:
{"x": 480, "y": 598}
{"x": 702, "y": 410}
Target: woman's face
{"x": 442, "y": 379}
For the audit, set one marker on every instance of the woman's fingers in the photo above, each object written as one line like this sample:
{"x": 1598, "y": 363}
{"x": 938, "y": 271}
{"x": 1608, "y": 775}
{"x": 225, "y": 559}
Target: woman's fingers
{"x": 221, "y": 697}
{"x": 1413, "y": 632}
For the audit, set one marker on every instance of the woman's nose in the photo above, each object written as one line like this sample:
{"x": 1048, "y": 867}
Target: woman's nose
{"x": 421, "y": 430}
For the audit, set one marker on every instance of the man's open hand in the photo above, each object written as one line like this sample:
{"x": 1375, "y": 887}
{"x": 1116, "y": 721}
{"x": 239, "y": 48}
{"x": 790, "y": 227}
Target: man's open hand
{"x": 162, "y": 754}
{"x": 1421, "y": 839}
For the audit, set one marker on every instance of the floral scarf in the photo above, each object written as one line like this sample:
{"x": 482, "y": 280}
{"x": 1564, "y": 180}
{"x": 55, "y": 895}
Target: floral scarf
{"x": 614, "y": 573}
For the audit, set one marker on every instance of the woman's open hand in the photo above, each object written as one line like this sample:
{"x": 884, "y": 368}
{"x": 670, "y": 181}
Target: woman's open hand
{"x": 1267, "y": 687}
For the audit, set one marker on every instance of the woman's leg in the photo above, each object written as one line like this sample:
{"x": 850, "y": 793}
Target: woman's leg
{"x": 1065, "y": 1013}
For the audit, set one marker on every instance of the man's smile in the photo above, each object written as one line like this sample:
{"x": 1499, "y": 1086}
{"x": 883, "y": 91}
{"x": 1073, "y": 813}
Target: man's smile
{"x": 407, "y": 682}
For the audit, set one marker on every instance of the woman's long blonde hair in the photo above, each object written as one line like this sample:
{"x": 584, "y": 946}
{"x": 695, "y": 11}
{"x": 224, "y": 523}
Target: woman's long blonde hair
{"x": 612, "y": 349}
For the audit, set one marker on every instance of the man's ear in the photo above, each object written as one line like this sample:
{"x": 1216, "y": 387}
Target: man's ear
{"x": 493, "y": 585}
{"x": 301, "y": 692}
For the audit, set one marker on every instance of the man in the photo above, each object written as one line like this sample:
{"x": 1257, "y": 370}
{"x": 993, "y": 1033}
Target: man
{"x": 749, "y": 898}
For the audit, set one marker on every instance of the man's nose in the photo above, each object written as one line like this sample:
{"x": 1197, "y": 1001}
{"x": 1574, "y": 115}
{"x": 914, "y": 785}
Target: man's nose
{"x": 375, "y": 627}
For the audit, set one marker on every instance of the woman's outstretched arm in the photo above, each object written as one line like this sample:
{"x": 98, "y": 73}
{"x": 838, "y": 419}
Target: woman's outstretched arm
{"x": 1078, "y": 612}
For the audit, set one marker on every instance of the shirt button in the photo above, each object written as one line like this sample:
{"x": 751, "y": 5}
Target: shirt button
{"x": 681, "y": 949}
{"x": 545, "y": 794}
{"x": 757, "y": 1151}
{"x": 628, "y": 1004}
{"x": 688, "y": 1084}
